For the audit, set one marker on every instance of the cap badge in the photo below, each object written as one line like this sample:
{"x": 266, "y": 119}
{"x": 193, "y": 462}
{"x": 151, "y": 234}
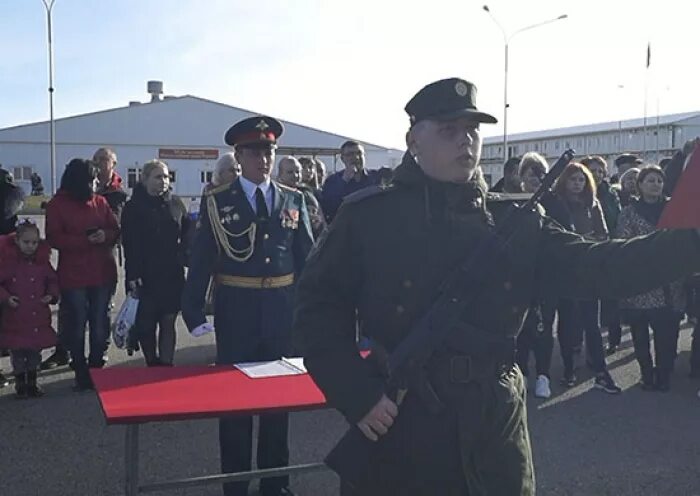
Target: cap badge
{"x": 461, "y": 88}
{"x": 262, "y": 125}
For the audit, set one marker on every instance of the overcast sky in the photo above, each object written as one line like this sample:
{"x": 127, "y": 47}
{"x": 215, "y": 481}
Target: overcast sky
{"x": 350, "y": 67}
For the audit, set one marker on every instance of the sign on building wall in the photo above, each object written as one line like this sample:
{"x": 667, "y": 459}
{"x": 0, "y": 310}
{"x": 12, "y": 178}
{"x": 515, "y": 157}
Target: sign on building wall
{"x": 188, "y": 153}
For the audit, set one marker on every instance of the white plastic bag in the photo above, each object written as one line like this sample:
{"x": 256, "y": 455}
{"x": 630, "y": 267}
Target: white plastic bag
{"x": 126, "y": 318}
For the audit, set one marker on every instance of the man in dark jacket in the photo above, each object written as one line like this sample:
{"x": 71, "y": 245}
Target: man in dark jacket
{"x": 510, "y": 182}
{"x": 109, "y": 184}
{"x": 384, "y": 258}
{"x": 353, "y": 178}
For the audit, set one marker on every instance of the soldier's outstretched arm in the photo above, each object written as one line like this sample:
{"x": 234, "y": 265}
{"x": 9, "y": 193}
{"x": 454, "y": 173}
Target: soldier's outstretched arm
{"x": 202, "y": 260}
{"x": 324, "y": 323}
{"x": 570, "y": 267}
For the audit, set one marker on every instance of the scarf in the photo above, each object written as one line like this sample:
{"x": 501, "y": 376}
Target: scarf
{"x": 651, "y": 212}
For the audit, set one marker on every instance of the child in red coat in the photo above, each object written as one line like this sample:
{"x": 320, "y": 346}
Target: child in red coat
{"x": 28, "y": 285}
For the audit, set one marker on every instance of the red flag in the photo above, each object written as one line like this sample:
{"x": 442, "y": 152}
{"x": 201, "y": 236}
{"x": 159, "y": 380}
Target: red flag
{"x": 683, "y": 211}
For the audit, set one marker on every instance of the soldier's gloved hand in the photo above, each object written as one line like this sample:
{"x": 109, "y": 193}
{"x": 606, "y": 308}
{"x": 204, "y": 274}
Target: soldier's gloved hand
{"x": 202, "y": 329}
{"x": 379, "y": 419}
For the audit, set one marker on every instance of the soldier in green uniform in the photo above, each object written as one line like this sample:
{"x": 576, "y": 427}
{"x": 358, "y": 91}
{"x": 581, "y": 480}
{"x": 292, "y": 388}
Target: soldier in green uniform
{"x": 383, "y": 260}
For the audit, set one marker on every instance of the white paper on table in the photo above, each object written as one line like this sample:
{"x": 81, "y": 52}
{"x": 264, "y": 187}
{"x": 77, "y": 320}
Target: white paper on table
{"x": 273, "y": 368}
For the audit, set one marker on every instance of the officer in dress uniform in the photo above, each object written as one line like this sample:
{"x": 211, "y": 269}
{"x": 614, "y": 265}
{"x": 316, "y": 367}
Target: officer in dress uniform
{"x": 252, "y": 239}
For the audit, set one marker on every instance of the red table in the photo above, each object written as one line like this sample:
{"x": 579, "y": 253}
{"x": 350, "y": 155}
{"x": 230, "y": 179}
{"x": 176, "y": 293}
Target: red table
{"x": 133, "y": 396}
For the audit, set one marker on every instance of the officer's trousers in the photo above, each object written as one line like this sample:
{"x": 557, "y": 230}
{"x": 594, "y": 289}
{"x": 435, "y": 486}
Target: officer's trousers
{"x": 236, "y": 444}
{"x": 478, "y": 446}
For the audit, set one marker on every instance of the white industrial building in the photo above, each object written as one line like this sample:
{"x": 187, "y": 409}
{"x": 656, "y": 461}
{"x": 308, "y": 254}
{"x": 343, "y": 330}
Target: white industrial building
{"x": 664, "y": 135}
{"x": 187, "y": 132}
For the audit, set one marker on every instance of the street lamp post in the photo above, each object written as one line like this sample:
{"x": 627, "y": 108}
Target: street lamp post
{"x": 619, "y": 129}
{"x": 49, "y": 6}
{"x": 506, "y": 42}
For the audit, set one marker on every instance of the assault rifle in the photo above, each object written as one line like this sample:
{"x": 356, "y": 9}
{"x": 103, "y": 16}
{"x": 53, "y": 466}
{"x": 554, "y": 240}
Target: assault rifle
{"x": 403, "y": 367}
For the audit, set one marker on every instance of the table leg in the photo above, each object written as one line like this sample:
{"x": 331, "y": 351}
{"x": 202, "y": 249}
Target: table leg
{"x": 131, "y": 460}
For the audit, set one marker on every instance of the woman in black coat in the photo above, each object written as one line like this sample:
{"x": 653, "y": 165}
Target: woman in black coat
{"x": 154, "y": 233}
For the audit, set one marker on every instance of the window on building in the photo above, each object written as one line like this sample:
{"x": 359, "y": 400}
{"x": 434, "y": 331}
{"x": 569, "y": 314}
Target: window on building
{"x": 537, "y": 147}
{"x": 556, "y": 146}
{"x": 173, "y": 176}
{"x": 22, "y": 172}
{"x": 205, "y": 177}
{"x": 133, "y": 176}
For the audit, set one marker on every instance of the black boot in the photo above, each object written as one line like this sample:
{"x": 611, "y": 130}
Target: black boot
{"x": 647, "y": 378}
{"x": 33, "y": 390}
{"x": 58, "y": 359}
{"x": 663, "y": 380}
{"x": 21, "y": 386}
{"x": 83, "y": 381}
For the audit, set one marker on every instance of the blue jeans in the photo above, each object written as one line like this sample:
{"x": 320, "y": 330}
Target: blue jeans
{"x": 86, "y": 305}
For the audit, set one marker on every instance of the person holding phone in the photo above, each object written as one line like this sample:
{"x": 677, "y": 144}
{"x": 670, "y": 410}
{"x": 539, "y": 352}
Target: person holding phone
{"x": 82, "y": 227}
{"x": 353, "y": 178}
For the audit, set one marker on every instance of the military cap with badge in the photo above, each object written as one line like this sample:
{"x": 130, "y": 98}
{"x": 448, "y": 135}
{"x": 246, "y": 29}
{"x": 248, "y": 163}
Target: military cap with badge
{"x": 254, "y": 132}
{"x": 445, "y": 100}
{"x": 257, "y": 132}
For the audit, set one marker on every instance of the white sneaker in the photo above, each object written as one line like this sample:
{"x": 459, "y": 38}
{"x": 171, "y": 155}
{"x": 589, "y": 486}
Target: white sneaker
{"x": 542, "y": 389}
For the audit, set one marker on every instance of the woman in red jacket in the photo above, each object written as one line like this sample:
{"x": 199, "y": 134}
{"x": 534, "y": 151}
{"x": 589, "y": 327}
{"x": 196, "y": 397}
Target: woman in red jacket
{"x": 83, "y": 228}
{"x": 28, "y": 285}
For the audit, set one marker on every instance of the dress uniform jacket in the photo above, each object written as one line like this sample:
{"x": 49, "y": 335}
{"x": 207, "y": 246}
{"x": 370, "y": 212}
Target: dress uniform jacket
{"x": 252, "y": 323}
{"x": 386, "y": 254}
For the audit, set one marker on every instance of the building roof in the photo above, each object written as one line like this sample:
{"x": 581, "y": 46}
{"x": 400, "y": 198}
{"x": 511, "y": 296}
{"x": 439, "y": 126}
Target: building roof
{"x": 149, "y": 113}
{"x": 603, "y": 127}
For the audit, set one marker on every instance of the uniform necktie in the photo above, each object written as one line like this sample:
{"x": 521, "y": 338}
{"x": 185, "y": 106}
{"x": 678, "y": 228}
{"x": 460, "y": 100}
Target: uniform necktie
{"x": 260, "y": 205}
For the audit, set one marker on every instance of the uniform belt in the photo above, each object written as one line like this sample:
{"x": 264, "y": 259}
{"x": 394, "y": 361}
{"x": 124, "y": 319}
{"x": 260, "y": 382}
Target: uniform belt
{"x": 462, "y": 369}
{"x": 255, "y": 282}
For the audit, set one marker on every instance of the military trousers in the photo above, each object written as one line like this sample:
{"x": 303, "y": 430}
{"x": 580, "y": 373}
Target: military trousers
{"x": 478, "y": 445}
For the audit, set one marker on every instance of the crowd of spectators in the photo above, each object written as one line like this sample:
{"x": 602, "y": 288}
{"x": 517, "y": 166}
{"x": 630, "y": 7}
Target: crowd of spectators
{"x": 94, "y": 226}
{"x": 587, "y": 200}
